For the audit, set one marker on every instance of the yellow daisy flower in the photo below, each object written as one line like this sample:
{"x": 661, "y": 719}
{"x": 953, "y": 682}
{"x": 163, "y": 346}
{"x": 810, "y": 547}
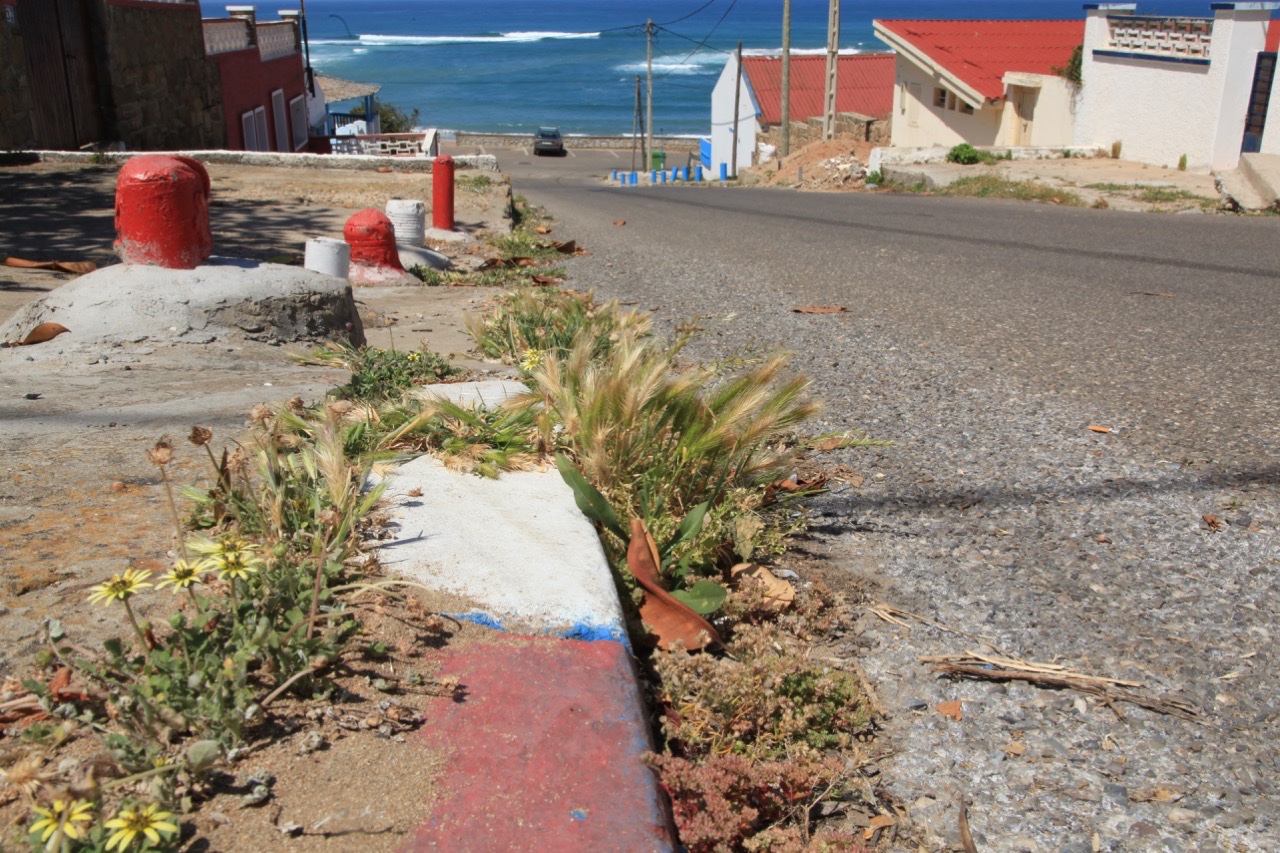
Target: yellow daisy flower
{"x": 184, "y": 574}
{"x": 232, "y": 557}
{"x": 146, "y": 821}
{"x": 531, "y": 359}
{"x": 62, "y": 817}
{"x": 120, "y": 587}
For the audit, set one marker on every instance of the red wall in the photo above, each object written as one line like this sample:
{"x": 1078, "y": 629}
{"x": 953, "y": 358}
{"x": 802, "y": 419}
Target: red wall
{"x": 247, "y": 83}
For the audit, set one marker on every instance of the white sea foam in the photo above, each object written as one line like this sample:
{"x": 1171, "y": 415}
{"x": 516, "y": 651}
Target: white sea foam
{"x": 700, "y": 63}
{"x": 375, "y": 39}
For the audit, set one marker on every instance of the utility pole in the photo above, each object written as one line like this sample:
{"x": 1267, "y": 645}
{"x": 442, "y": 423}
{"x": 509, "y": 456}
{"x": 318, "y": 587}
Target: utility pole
{"x": 786, "y": 77}
{"x": 737, "y": 94}
{"x": 637, "y": 130}
{"x": 648, "y": 122}
{"x": 833, "y": 71}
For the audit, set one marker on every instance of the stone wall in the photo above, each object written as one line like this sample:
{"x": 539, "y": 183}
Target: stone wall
{"x": 16, "y": 130}
{"x": 859, "y": 127}
{"x": 161, "y": 92}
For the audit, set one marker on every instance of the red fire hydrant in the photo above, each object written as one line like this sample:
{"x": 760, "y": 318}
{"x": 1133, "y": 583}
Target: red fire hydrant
{"x": 442, "y": 193}
{"x": 162, "y": 212}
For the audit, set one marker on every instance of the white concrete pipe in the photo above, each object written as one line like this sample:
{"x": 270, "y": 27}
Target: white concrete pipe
{"x": 408, "y": 216}
{"x": 329, "y": 256}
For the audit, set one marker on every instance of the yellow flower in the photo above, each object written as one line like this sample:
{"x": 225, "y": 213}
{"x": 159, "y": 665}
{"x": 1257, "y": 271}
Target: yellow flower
{"x": 531, "y": 359}
{"x": 62, "y": 818}
{"x": 133, "y": 822}
{"x": 415, "y": 356}
{"x": 184, "y": 574}
{"x": 120, "y": 587}
{"x": 231, "y": 557}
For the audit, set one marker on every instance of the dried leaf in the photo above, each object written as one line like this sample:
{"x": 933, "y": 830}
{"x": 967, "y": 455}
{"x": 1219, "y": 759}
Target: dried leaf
{"x": 819, "y": 309}
{"x": 875, "y": 825}
{"x": 1212, "y": 521}
{"x": 543, "y": 229}
{"x": 1102, "y": 539}
{"x": 1014, "y": 749}
{"x": 1161, "y": 294}
{"x": 414, "y": 492}
{"x": 545, "y": 281}
{"x": 522, "y": 262}
{"x": 1097, "y": 428}
{"x": 77, "y": 267}
{"x": 831, "y": 443}
{"x": 40, "y": 334}
{"x": 951, "y": 709}
{"x": 384, "y": 169}
{"x": 778, "y": 593}
{"x": 669, "y": 620}
{"x": 568, "y": 247}
{"x": 619, "y": 222}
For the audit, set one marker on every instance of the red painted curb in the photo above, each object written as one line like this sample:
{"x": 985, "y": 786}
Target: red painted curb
{"x": 543, "y": 752}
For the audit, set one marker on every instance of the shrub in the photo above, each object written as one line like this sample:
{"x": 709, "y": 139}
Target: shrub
{"x": 964, "y": 154}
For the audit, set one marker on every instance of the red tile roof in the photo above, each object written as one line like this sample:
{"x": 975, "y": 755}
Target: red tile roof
{"x": 864, "y": 84}
{"x": 979, "y": 53}
{"x": 1273, "y": 36}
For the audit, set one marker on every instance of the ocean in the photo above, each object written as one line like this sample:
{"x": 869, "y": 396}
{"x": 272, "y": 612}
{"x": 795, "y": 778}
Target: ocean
{"x": 511, "y": 65}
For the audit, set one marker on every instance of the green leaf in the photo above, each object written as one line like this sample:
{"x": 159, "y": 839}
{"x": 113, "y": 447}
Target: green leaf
{"x": 588, "y": 498}
{"x": 703, "y": 597}
{"x": 202, "y": 754}
{"x": 689, "y": 528}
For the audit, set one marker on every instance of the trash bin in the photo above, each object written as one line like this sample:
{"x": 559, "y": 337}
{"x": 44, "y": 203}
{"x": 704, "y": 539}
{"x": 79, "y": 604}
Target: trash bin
{"x": 658, "y": 160}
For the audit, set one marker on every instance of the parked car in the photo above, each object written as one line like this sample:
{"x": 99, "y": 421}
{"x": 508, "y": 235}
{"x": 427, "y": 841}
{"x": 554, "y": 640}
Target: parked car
{"x": 548, "y": 141}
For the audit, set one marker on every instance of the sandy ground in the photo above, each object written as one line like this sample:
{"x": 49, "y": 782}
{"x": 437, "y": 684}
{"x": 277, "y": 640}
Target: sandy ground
{"x": 836, "y": 165}
{"x": 79, "y": 502}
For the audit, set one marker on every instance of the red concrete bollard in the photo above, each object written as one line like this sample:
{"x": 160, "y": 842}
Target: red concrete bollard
{"x": 442, "y": 193}
{"x": 162, "y": 212}
{"x": 374, "y": 257}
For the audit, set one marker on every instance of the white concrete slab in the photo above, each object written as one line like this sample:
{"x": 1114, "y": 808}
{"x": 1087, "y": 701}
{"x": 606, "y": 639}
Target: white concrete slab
{"x": 517, "y": 546}
{"x": 489, "y": 393}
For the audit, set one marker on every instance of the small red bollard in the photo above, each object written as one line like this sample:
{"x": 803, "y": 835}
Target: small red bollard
{"x": 162, "y": 212}
{"x": 374, "y": 257}
{"x": 442, "y": 193}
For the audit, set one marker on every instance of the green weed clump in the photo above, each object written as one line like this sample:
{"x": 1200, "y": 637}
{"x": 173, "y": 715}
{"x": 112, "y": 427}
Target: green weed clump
{"x": 523, "y": 325}
{"x": 262, "y": 555}
{"x": 992, "y": 186}
{"x": 385, "y": 374}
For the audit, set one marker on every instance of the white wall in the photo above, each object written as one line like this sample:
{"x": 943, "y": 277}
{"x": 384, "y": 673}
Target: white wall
{"x": 922, "y": 124}
{"x": 722, "y": 134}
{"x": 1054, "y": 124}
{"x": 1160, "y": 109}
{"x": 1271, "y": 132}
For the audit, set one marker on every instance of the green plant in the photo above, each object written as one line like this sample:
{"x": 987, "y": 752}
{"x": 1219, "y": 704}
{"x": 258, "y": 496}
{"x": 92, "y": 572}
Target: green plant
{"x": 1182, "y": 163}
{"x": 548, "y": 321}
{"x": 658, "y": 441}
{"x": 875, "y": 177}
{"x": 1115, "y": 149}
{"x": 382, "y": 374}
{"x": 391, "y": 118}
{"x": 1073, "y": 71}
{"x": 993, "y": 186}
{"x": 966, "y": 155}
{"x": 474, "y": 183}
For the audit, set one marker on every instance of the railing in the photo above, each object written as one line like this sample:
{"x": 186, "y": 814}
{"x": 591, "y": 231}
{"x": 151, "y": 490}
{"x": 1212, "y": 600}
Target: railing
{"x": 277, "y": 39}
{"x": 226, "y": 35}
{"x": 388, "y": 144}
{"x": 337, "y": 121}
{"x": 1186, "y": 38}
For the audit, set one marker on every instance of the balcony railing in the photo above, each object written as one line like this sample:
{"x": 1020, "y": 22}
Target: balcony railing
{"x": 1184, "y": 38}
{"x": 227, "y": 34}
{"x": 277, "y": 39}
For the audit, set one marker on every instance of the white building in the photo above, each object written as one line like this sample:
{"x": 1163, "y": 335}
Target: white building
{"x": 864, "y": 86}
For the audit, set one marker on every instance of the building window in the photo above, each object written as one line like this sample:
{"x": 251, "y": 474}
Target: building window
{"x": 966, "y": 108}
{"x": 940, "y": 98}
{"x": 902, "y": 98}
{"x": 298, "y": 118}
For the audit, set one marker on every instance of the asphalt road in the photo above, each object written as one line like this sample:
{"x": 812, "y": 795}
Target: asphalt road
{"x": 1167, "y": 322}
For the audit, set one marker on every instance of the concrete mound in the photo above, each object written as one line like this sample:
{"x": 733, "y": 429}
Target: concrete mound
{"x": 226, "y": 299}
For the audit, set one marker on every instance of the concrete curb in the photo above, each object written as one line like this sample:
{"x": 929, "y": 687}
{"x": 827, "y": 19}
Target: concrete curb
{"x": 546, "y": 748}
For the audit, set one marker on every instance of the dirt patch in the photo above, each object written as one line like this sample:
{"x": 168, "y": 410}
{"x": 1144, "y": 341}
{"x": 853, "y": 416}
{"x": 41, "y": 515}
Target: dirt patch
{"x": 79, "y": 501}
{"x": 840, "y": 165}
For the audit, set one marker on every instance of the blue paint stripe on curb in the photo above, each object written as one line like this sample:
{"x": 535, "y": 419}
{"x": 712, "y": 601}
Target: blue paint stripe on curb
{"x": 577, "y": 631}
